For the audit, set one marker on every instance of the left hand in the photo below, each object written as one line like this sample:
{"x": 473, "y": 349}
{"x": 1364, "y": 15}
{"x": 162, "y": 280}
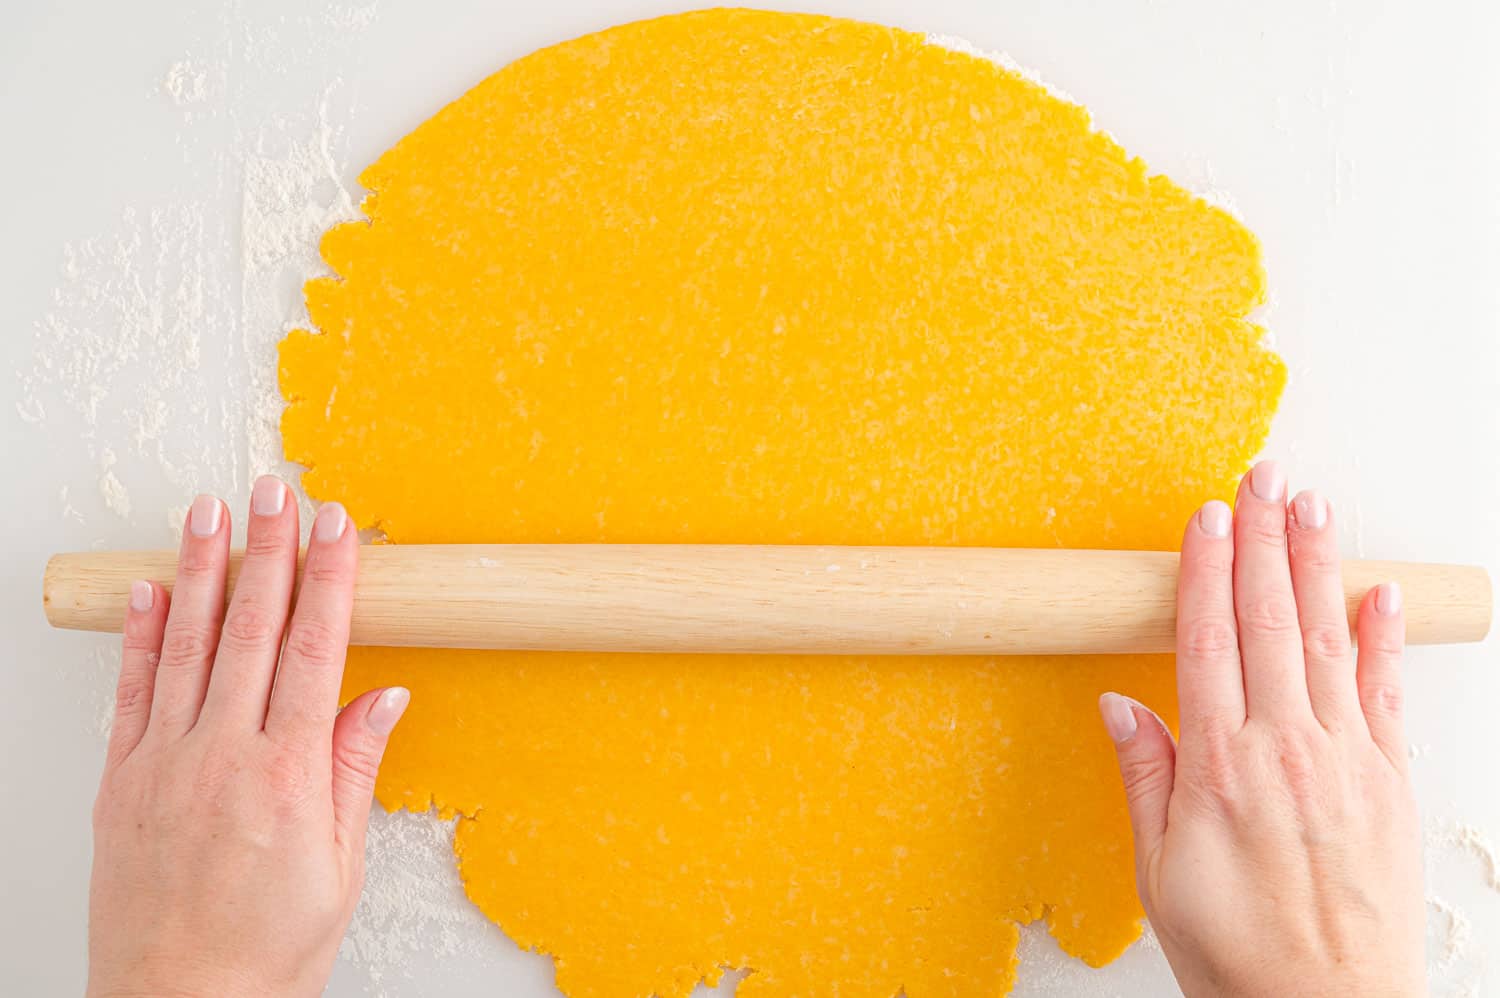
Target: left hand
{"x": 229, "y": 831}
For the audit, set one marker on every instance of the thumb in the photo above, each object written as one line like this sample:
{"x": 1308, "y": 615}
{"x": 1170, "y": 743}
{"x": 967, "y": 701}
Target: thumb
{"x": 1147, "y": 761}
{"x": 359, "y": 739}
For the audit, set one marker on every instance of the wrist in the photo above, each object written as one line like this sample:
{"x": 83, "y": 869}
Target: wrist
{"x": 172, "y": 982}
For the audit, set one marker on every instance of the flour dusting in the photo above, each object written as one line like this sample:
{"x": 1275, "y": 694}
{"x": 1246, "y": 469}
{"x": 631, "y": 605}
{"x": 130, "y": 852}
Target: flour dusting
{"x": 1199, "y": 175}
{"x": 116, "y": 499}
{"x": 413, "y": 901}
{"x": 293, "y": 191}
{"x": 160, "y": 319}
{"x": 1455, "y": 933}
{"x": 186, "y": 83}
{"x": 1476, "y": 843}
{"x": 1470, "y": 840}
{"x": 963, "y": 46}
{"x": 158, "y": 326}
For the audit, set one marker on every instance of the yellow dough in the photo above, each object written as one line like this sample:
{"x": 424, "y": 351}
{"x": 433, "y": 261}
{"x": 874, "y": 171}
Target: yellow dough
{"x": 739, "y": 276}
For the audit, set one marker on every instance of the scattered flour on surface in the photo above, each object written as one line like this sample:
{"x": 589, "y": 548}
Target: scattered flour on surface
{"x": 1045, "y": 970}
{"x": 117, "y": 358}
{"x": 953, "y": 43}
{"x": 157, "y": 325}
{"x": 352, "y": 18}
{"x": 1455, "y": 933}
{"x": 293, "y": 191}
{"x": 1198, "y": 177}
{"x": 1470, "y": 840}
{"x": 1474, "y": 841}
{"x": 412, "y": 902}
{"x": 132, "y": 359}
{"x": 116, "y": 499}
{"x": 186, "y": 83}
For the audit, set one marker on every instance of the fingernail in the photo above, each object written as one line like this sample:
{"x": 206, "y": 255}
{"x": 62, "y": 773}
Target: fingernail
{"x": 142, "y": 595}
{"x": 329, "y": 524}
{"x": 1267, "y": 481}
{"x": 1215, "y": 518}
{"x": 1310, "y": 510}
{"x": 1388, "y": 599}
{"x": 1119, "y": 717}
{"x": 387, "y": 710}
{"x": 204, "y": 516}
{"x": 268, "y": 498}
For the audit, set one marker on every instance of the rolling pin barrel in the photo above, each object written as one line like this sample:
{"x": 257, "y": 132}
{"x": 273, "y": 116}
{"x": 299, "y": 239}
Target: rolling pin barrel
{"x": 769, "y": 599}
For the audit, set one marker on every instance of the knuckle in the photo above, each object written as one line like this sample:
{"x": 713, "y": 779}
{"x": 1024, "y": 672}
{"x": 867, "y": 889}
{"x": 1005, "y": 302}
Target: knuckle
{"x": 329, "y": 571}
{"x": 251, "y": 623}
{"x": 1298, "y": 768}
{"x": 139, "y": 640}
{"x": 1266, "y": 528}
{"x": 360, "y": 760}
{"x": 1384, "y": 700}
{"x": 1385, "y": 646}
{"x": 1212, "y": 559}
{"x": 1326, "y": 642}
{"x": 1269, "y": 615}
{"x": 216, "y": 770}
{"x": 1314, "y": 554}
{"x": 315, "y": 642}
{"x": 1209, "y": 638}
{"x": 266, "y": 544}
{"x": 200, "y": 562}
{"x": 288, "y": 774}
{"x": 132, "y": 695}
{"x": 1141, "y": 776}
{"x": 188, "y": 644}
{"x": 1215, "y": 779}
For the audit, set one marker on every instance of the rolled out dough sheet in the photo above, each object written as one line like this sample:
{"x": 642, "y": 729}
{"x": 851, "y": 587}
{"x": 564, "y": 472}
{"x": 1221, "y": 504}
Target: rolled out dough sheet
{"x": 739, "y": 276}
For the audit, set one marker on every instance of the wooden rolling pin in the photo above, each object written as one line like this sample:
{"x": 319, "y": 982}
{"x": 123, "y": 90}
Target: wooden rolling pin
{"x": 792, "y": 599}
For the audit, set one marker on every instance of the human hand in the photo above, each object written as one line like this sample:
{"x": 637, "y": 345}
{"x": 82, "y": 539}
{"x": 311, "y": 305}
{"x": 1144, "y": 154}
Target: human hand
{"x": 1277, "y": 847}
{"x": 229, "y": 831}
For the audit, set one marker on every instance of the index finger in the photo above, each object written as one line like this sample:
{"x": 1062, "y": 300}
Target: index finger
{"x": 304, "y": 701}
{"x": 1210, "y": 681}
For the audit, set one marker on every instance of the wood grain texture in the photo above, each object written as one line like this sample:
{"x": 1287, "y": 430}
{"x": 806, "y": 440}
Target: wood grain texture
{"x": 769, "y": 599}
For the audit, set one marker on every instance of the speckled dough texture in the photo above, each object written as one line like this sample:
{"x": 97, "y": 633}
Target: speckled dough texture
{"x": 739, "y": 276}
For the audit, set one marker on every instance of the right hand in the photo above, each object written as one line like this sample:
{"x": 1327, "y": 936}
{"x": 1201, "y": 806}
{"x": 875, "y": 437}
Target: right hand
{"x": 1277, "y": 846}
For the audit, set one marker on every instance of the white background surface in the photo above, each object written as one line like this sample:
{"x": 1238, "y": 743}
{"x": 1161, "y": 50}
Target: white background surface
{"x": 1357, "y": 139}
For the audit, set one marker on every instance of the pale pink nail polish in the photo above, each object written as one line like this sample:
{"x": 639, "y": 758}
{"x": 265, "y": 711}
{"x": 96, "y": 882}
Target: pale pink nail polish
{"x": 142, "y": 596}
{"x": 1388, "y": 599}
{"x": 1119, "y": 717}
{"x": 1310, "y": 510}
{"x": 268, "y": 498}
{"x": 1268, "y": 482}
{"x": 1215, "y": 518}
{"x": 329, "y": 524}
{"x": 387, "y": 710}
{"x": 205, "y": 516}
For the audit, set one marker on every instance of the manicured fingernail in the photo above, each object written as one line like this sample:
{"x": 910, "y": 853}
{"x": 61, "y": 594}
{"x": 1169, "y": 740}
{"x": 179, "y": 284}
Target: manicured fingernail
{"x": 1268, "y": 482}
{"x": 1119, "y": 717}
{"x": 330, "y": 522}
{"x": 205, "y": 516}
{"x": 1310, "y": 510}
{"x": 268, "y": 498}
{"x": 1215, "y": 518}
{"x": 387, "y": 710}
{"x": 1388, "y": 599}
{"x": 142, "y": 595}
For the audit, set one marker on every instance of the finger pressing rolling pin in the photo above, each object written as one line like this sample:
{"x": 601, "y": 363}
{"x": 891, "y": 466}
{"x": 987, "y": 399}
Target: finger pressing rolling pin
{"x": 770, "y": 599}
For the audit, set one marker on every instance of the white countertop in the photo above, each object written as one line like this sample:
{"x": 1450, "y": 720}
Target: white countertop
{"x": 167, "y": 172}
